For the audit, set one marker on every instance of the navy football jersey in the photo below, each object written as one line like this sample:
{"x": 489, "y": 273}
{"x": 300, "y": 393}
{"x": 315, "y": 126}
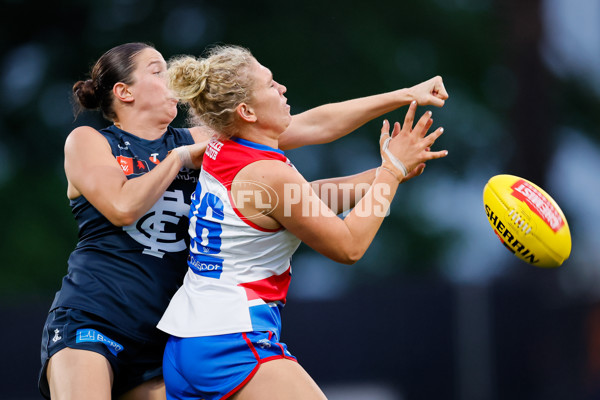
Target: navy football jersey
{"x": 127, "y": 275}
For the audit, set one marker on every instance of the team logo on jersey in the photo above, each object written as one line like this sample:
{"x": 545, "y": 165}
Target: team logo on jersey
{"x": 92, "y": 335}
{"x": 56, "y": 337}
{"x": 132, "y": 166}
{"x": 125, "y": 145}
{"x": 157, "y": 229}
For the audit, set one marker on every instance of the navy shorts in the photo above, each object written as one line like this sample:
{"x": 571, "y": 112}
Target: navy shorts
{"x": 133, "y": 361}
{"x": 216, "y": 367}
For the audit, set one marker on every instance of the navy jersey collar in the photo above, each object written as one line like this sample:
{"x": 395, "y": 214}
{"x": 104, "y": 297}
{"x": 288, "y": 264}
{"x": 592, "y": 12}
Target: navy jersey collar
{"x": 257, "y": 146}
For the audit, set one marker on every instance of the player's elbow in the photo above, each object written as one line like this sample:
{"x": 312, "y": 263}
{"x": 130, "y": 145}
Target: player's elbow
{"x": 122, "y": 221}
{"x": 348, "y": 261}
{"x": 121, "y": 216}
{"x": 353, "y": 258}
{"x": 350, "y": 255}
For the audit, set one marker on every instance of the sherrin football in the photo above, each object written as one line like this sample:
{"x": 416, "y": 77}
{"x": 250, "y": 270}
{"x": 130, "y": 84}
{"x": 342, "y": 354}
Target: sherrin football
{"x": 527, "y": 221}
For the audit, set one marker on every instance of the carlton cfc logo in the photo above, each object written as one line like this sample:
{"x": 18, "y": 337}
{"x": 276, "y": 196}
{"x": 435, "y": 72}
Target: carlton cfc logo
{"x": 157, "y": 229}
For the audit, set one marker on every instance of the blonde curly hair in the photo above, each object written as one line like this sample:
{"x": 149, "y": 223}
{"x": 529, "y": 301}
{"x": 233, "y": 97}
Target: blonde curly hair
{"x": 212, "y": 87}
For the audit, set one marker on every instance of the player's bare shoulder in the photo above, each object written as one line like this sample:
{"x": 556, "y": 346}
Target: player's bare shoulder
{"x": 275, "y": 173}
{"x": 81, "y": 138}
{"x": 89, "y": 162}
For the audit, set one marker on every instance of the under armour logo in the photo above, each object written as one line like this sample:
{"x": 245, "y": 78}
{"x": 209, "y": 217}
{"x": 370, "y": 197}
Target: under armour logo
{"x": 151, "y": 230}
{"x": 56, "y": 337}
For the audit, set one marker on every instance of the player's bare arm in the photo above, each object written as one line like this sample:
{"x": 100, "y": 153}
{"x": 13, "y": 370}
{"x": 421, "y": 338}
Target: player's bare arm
{"x": 342, "y": 193}
{"x": 329, "y": 122}
{"x": 93, "y": 171}
{"x": 301, "y": 211}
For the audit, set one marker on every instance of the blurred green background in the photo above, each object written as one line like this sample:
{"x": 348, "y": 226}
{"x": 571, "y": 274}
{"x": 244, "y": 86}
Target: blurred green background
{"x": 524, "y": 85}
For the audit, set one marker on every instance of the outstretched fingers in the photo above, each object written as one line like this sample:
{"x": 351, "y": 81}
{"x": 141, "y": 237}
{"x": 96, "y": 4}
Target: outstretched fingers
{"x": 396, "y": 130}
{"x": 433, "y": 136}
{"x": 432, "y": 155}
{"x": 409, "y": 119}
{"x": 385, "y": 132}
{"x": 423, "y": 124}
{"x": 430, "y": 140}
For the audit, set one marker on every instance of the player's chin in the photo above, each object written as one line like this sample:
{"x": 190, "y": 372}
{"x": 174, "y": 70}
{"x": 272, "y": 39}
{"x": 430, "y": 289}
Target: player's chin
{"x": 172, "y": 112}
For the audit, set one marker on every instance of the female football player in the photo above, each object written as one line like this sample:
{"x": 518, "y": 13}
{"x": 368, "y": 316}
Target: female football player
{"x": 250, "y": 211}
{"x": 129, "y": 185}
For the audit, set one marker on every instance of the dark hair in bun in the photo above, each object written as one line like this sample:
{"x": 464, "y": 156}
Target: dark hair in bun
{"x": 116, "y": 65}
{"x": 85, "y": 92}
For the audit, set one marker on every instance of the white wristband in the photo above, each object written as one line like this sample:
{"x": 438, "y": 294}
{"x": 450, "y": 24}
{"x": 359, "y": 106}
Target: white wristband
{"x": 397, "y": 163}
{"x": 184, "y": 155}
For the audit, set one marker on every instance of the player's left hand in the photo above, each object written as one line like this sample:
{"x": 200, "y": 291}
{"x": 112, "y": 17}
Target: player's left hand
{"x": 197, "y": 154}
{"x": 430, "y": 93}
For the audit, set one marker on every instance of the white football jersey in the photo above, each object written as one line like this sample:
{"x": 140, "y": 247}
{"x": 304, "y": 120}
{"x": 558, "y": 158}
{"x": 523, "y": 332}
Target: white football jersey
{"x": 238, "y": 273}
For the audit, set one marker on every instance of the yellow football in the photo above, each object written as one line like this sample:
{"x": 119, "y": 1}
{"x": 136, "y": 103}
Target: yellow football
{"x": 527, "y": 221}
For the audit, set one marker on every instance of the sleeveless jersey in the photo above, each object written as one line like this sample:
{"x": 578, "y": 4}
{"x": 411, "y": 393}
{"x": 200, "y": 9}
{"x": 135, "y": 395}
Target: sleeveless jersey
{"x": 239, "y": 273}
{"x": 127, "y": 275}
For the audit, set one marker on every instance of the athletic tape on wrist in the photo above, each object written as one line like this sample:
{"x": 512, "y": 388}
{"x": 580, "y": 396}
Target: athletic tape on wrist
{"x": 395, "y": 162}
{"x": 390, "y": 171}
{"x": 184, "y": 155}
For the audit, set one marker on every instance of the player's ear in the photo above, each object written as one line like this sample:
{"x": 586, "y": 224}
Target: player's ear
{"x": 246, "y": 112}
{"x": 122, "y": 92}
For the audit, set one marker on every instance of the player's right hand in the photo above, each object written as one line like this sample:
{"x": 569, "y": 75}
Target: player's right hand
{"x": 410, "y": 145}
